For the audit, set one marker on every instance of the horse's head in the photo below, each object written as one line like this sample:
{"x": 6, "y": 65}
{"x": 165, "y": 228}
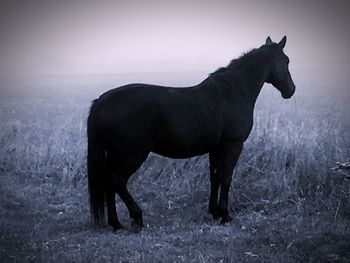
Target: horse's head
{"x": 279, "y": 75}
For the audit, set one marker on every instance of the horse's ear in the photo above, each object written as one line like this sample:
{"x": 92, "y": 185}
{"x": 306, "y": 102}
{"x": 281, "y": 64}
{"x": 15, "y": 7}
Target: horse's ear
{"x": 282, "y": 43}
{"x": 268, "y": 41}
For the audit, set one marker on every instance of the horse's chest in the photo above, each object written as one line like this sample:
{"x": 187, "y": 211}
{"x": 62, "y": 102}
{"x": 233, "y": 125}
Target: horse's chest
{"x": 238, "y": 127}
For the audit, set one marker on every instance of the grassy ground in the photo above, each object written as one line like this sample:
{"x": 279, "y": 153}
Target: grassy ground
{"x": 287, "y": 202}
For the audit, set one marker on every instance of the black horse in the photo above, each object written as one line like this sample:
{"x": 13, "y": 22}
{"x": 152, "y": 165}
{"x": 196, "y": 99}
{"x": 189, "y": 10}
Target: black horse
{"x": 216, "y": 116}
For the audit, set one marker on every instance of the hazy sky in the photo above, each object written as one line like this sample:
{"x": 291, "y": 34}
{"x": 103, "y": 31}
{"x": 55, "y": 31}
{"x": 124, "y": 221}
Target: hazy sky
{"x": 147, "y": 36}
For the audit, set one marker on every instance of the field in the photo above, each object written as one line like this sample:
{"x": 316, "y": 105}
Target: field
{"x": 290, "y": 199}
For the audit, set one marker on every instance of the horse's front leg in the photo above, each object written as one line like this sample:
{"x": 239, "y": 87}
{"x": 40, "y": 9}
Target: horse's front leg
{"x": 214, "y": 184}
{"x": 229, "y": 155}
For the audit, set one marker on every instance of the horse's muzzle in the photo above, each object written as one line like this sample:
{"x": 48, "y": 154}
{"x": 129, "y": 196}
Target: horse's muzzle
{"x": 289, "y": 94}
{"x": 289, "y": 91}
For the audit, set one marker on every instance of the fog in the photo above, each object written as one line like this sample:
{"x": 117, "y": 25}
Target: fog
{"x": 44, "y": 37}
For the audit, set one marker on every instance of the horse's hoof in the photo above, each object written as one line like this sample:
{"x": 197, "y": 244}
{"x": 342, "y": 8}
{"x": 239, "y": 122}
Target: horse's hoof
{"x": 216, "y": 216}
{"x": 136, "y": 227}
{"x": 225, "y": 219}
{"x": 215, "y": 213}
{"x": 116, "y": 226}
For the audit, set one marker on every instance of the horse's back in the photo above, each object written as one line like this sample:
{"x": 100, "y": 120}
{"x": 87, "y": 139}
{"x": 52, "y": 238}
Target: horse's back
{"x": 128, "y": 115}
{"x": 132, "y": 95}
{"x": 140, "y": 103}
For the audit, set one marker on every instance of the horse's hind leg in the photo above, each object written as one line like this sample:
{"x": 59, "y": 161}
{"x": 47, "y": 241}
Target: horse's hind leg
{"x": 125, "y": 166}
{"x": 113, "y": 220}
{"x": 134, "y": 210}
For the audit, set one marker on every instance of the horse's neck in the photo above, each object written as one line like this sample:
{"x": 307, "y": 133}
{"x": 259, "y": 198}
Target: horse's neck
{"x": 248, "y": 77}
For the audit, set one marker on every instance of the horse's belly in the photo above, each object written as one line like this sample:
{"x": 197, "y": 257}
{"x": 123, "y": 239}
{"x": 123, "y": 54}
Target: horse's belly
{"x": 183, "y": 148}
{"x": 178, "y": 153}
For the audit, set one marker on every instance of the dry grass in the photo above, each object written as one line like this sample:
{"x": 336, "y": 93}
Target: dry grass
{"x": 288, "y": 204}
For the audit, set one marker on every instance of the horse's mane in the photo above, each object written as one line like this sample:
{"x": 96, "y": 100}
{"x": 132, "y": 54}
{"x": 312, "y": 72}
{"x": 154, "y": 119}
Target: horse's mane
{"x": 234, "y": 63}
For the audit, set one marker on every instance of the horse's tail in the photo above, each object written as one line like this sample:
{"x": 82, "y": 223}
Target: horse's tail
{"x": 96, "y": 166}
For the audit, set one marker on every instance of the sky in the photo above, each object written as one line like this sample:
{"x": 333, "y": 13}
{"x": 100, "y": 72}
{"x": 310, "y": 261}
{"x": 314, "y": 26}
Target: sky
{"x": 84, "y": 37}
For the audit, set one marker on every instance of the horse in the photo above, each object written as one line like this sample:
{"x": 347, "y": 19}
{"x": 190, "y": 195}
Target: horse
{"x": 214, "y": 117}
